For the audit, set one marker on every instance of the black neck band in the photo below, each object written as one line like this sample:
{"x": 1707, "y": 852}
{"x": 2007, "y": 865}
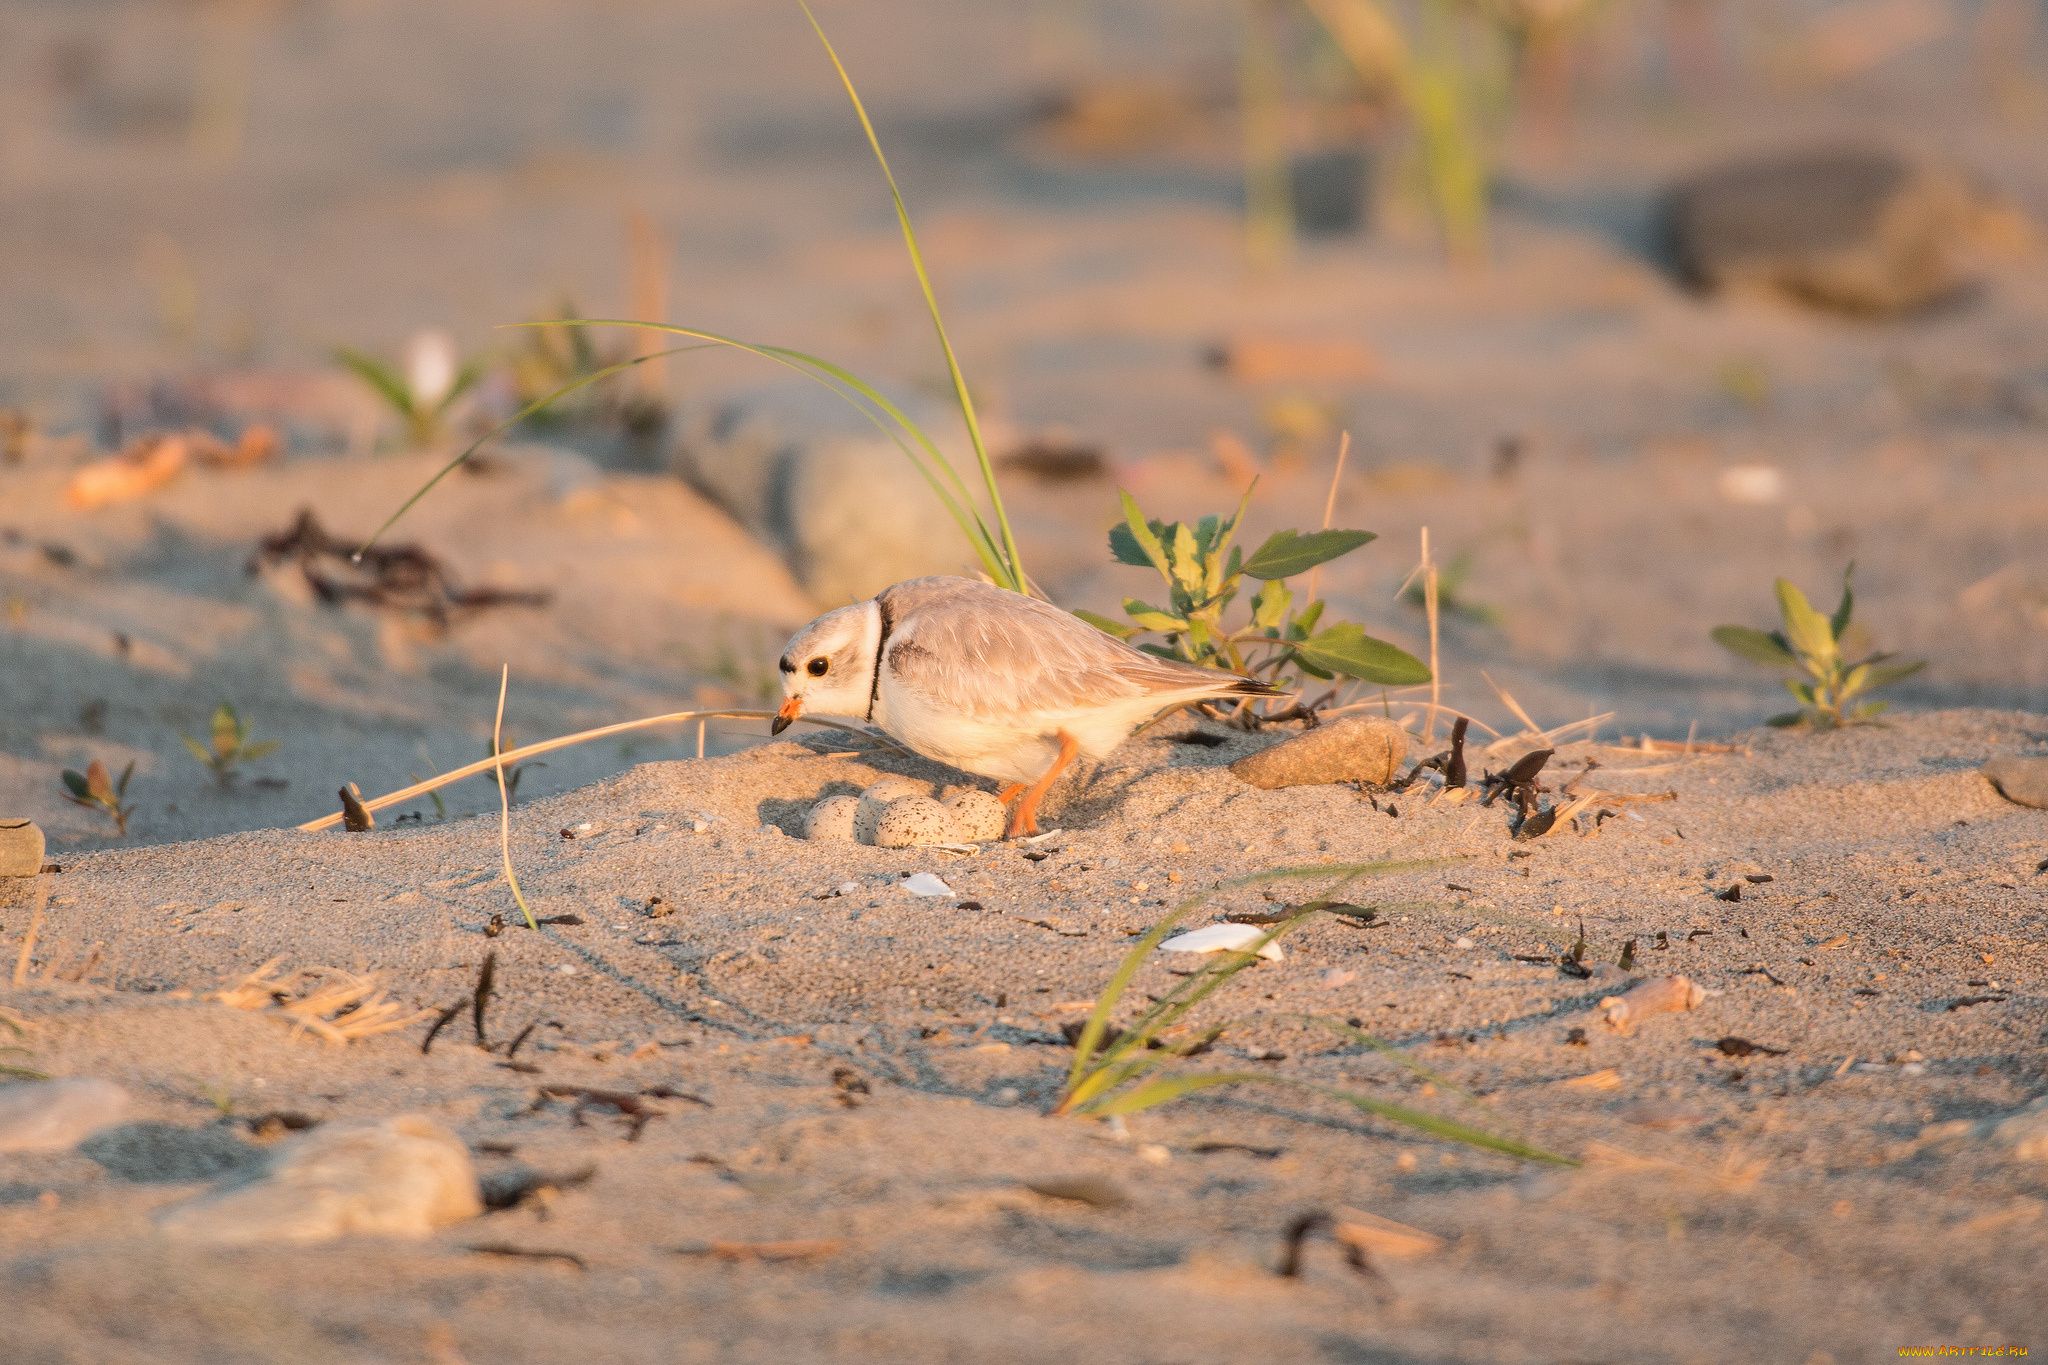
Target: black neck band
{"x": 881, "y": 644}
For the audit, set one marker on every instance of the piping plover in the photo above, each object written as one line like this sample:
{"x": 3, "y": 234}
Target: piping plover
{"x": 987, "y": 680}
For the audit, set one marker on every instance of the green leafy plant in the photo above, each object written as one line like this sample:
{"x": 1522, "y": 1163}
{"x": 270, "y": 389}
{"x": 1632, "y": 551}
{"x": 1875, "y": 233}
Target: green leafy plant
{"x": 422, "y": 388}
{"x": 20, "y": 1073}
{"x": 1124, "y": 1070}
{"x": 1203, "y": 573}
{"x": 231, "y": 746}
{"x": 1449, "y": 584}
{"x": 1813, "y": 646}
{"x": 993, "y": 544}
{"x": 555, "y": 351}
{"x": 95, "y": 790}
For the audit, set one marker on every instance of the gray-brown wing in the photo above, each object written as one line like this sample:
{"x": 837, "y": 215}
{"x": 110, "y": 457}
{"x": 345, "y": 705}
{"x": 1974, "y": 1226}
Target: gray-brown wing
{"x": 994, "y": 654}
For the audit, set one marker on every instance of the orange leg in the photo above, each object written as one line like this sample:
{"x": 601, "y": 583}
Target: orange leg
{"x": 1009, "y": 793}
{"x": 1024, "y": 819}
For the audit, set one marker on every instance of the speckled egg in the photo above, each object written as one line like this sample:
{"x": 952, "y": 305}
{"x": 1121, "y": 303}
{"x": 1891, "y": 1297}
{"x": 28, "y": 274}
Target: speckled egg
{"x": 911, "y": 820}
{"x": 876, "y": 799}
{"x": 977, "y": 815}
{"x": 832, "y": 818}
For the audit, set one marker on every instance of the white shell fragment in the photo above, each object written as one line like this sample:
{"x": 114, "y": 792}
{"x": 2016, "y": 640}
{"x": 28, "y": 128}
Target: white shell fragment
{"x": 926, "y": 884}
{"x": 1217, "y": 938}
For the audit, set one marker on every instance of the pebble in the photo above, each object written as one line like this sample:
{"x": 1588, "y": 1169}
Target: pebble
{"x": 2023, "y": 781}
{"x": 21, "y": 848}
{"x": 832, "y": 818}
{"x": 49, "y": 1116}
{"x": 977, "y": 816}
{"x": 397, "y": 1177}
{"x": 1352, "y": 749}
{"x": 909, "y": 821}
{"x": 1862, "y": 232}
{"x": 876, "y": 799}
{"x": 2024, "y": 1134}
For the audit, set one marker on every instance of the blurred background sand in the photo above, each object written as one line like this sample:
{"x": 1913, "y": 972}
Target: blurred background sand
{"x": 199, "y": 203}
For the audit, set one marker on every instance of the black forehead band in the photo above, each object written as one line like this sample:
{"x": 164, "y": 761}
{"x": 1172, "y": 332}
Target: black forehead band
{"x": 787, "y": 665}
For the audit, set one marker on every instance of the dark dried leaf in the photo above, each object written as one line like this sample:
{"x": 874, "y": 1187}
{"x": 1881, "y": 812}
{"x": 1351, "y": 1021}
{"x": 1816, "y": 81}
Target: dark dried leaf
{"x": 1731, "y": 1046}
{"x": 354, "y": 818}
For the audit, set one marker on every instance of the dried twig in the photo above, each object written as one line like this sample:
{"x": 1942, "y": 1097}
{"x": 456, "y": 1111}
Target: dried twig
{"x": 351, "y": 1007}
{"x": 504, "y": 815}
{"x": 803, "y": 1250}
{"x": 35, "y": 926}
{"x": 1298, "y": 1232}
{"x": 513, "y": 756}
{"x": 530, "y": 1253}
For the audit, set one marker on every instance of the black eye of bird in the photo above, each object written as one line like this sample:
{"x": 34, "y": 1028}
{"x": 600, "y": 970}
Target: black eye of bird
{"x": 817, "y": 666}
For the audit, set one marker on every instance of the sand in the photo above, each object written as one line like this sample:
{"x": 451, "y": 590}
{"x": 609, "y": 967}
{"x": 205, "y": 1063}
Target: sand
{"x": 1566, "y": 417}
{"x": 1751, "y": 1207}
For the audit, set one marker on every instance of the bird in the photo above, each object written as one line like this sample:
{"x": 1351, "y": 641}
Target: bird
{"x": 988, "y": 681}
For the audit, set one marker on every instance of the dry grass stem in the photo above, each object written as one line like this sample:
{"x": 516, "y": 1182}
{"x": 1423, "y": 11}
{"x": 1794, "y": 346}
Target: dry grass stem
{"x": 1435, "y": 673}
{"x": 505, "y": 805}
{"x": 35, "y": 926}
{"x": 1330, "y": 504}
{"x": 647, "y": 256}
{"x": 342, "y": 1010}
{"x": 1512, "y": 705}
{"x": 802, "y": 1250}
{"x": 1647, "y": 745}
{"x": 513, "y": 756}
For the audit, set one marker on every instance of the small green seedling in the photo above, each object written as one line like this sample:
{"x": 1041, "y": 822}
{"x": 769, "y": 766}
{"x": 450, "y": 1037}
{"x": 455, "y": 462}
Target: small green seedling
{"x": 1812, "y": 644}
{"x": 1124, "y": 1070}
{"x": 19, "y": 1073}
{"x": 512, "y": 773}
{"x": 554, "y": 356}
{"x": 1448, "y": 585}
{"x": 231, "y": 746}
{"x": 440, "y": 806}
{"x": 1203, "y": 570}
{"x": 422, "y": 389}
{"x": 94, "y": 790}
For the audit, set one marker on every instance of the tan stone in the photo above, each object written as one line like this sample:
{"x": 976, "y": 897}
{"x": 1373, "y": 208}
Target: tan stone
{"x": 1353, "y": 749}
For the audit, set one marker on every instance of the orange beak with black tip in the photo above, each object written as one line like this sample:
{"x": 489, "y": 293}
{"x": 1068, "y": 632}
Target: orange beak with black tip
{"x": 791, "y": 709}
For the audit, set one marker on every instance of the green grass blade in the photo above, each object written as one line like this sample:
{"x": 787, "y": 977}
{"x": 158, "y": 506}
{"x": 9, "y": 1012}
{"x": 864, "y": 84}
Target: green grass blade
{"x": 1014, "y": 561}
{"x": 501, "y": 429}
{"x": 388, "y": 383}
{"x": 1430, "y": 1123}
{"x": 1120, "y": 980}
{"x": 830, "y": 376}
{"x": 1391, "y": 1053}
{"x": 1164, "y": 1088}
{"x": 1169, "y": 1088}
